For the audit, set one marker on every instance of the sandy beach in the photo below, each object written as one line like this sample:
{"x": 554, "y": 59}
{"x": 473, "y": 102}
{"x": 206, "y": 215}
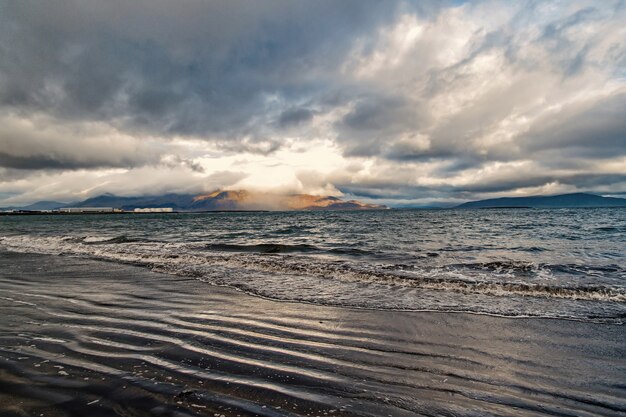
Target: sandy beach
{"x": 81, "y": 337}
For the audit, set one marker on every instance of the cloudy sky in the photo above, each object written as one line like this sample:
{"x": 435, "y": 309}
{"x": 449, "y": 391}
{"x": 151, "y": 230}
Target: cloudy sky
{"x": 399, "y": 102}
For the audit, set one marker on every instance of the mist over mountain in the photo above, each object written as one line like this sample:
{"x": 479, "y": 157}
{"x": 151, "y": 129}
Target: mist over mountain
{"x": 216, "y": 201}
{"x": 555, "y": 201}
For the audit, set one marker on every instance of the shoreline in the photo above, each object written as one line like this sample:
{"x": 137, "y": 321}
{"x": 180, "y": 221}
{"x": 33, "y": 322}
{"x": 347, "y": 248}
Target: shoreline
{"x": 179, "y": 345}
{"x": 614, "y": 321}
{"x": 399, "y": 310}
{"x": 121, "y": 211}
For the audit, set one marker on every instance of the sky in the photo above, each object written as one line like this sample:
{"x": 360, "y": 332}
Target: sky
{"x": 398, "y": 102}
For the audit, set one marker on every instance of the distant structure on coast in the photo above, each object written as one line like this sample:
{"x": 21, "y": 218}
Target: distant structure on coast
{"x": 89, "y": 210}
{"x": 154, "y": 210}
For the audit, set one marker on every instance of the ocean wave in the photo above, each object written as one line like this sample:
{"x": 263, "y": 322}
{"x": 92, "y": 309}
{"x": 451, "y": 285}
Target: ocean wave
{"x": 293, "y": 274}
{"x": 442, "y": 279}
{"x": 112, "y": 240}
{"x": 261, "y": 248}
{"x": 292, "y": 230}
{"x": 271, "y": 248}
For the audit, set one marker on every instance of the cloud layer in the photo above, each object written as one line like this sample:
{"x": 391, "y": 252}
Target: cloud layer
{"x": 401, "y": 101}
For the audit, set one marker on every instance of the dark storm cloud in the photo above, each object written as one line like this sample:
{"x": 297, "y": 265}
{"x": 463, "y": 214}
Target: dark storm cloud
{"x": 295, "y": 116}
{"x": 194, "y": 67}
{"x": 589, "y": 131}
{"x": 572, "y": 138}
{"x": 393, "y": 190}
{"x": 374, "y": 120}
{"x": 582, "y": 180}
{"x": 42, "y": 145}
{"x": 37, "y": 162}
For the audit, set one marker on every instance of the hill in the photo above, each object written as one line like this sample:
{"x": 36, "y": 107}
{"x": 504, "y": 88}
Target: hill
{"x": 555, "y": 201}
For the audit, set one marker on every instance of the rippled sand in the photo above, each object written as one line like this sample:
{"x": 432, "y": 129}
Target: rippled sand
{"x": 88, "y": 338}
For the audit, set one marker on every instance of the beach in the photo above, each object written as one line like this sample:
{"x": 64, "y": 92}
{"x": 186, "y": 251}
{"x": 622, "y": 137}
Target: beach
{"x": 84, "y": 337}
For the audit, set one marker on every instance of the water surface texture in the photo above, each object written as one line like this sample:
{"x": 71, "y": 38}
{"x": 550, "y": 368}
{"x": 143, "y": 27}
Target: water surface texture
{"x": 568, "y": 263}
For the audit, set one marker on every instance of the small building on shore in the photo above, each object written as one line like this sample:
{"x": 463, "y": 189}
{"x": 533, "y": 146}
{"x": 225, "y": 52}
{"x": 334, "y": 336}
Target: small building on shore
{"x": 88, "y": 210}
{"x": 154, "y": 210}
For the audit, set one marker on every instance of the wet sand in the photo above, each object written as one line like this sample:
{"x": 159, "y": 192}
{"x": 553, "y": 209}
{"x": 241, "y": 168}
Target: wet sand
{"x": 89, "y": 338}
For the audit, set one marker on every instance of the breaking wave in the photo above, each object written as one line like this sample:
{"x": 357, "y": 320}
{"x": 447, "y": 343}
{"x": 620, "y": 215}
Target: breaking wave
{"x": 303, "y": 273}
{"x": 113, "y": 240}
{"x": 262, "y": 248}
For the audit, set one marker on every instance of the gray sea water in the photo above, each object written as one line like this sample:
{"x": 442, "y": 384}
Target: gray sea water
{"x": 559, "y": 263}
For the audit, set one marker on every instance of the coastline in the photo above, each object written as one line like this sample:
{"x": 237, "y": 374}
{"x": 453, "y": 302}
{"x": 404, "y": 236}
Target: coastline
{"x": 84, "y": 337}
{"x": 100, "y": 213}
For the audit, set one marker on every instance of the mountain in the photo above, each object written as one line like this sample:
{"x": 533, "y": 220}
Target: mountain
{"x": 555, "y": 201}
{"x": 176, "y": 201}
{"x": 39, "y": 205}
{"x": 228, "y": 201}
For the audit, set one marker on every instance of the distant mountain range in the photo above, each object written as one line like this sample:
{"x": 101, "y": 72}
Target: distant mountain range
{"x": 39, "y": 205}
{"x": 246, "y": 200}
{"x": 216, "y": 201}
{"x": 555, "y": 201}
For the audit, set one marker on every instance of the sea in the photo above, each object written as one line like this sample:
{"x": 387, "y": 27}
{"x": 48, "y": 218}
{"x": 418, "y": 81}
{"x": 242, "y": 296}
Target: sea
{"x": 545, "y": 263}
